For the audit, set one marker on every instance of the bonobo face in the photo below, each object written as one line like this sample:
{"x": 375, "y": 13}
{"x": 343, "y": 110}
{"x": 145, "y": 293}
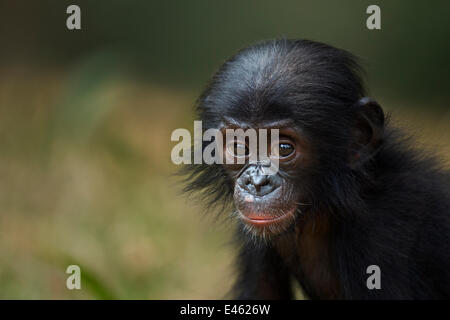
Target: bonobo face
{"x": 267, "y": 201}
{"x": 313, "y": 94}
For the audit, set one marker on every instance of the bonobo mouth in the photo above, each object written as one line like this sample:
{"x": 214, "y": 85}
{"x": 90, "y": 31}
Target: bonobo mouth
{"x": 264, "y": 205}
{"x": 263, "y": 220}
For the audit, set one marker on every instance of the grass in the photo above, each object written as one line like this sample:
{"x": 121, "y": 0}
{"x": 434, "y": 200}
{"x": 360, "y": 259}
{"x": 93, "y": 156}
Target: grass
{"x": 86, "y": 179}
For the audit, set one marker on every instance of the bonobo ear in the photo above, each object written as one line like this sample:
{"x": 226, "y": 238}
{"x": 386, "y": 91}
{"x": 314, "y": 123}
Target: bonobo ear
{"x": 368, "y": 130}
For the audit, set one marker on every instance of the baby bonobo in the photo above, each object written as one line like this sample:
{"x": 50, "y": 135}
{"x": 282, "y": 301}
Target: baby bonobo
{"x": 349, "y": 194}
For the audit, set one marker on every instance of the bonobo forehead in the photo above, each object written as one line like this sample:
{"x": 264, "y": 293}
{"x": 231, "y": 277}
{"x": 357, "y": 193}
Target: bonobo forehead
{"x": 237, "y": 123}
{"x": 280, "y": 78}
{"x": 273, "y": 116}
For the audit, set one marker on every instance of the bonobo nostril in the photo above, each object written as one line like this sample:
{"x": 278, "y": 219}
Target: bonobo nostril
{"x": 256, "y": 184}
{"x": 259, "y": 180}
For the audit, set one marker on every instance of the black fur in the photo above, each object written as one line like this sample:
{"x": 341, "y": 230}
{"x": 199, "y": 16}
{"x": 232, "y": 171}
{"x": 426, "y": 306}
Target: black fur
{"x": 393, "y": 210}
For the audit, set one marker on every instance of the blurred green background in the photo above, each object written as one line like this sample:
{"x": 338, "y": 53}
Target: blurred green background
{"x": 86, "y": 118}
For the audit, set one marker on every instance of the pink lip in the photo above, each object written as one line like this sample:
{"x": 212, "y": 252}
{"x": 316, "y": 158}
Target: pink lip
{"x": 263, "y": 221}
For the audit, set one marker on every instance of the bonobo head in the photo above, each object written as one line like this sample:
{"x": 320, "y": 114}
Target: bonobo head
{"x": 328, "y": 132}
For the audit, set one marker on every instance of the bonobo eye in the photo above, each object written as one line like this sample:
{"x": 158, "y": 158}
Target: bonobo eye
{"x": 282, "y": 150}
{"x": 238, "y": 149}
{"x": 286, "y": 149}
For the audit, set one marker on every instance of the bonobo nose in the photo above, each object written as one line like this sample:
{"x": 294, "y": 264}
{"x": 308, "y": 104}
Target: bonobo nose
{"x": 257, "y": 184}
